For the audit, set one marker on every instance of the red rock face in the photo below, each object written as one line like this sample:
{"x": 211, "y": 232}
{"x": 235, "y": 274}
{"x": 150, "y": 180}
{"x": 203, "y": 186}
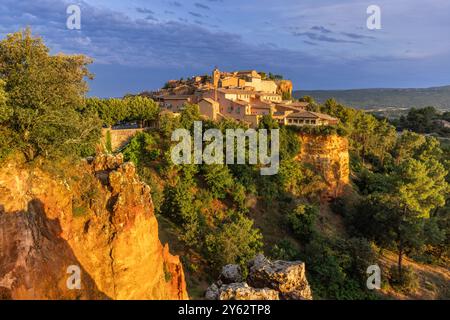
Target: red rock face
{"x": 104, "y": 224}
{"x": 329, "y": 154}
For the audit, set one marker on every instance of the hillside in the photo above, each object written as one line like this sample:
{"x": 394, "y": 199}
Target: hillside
{"x": 382, "y": 98}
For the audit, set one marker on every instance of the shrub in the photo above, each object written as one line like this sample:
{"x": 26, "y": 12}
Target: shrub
{"x": 108, "y": 143}
{"x": 219, "y": 180}
{"x": 236, "y": 241}
{"x": 302, "y": 219}
{"x": 284, "y": 250}
{"x": 333, "y": 269}
{"x": 407, "y": 281}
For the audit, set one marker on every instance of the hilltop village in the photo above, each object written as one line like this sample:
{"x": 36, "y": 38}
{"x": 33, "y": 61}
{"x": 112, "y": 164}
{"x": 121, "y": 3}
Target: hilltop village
{"x": 245, "y": 96}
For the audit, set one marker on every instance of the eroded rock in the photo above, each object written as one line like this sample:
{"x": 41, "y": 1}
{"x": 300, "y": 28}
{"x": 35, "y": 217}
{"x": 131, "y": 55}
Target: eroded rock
{"x": 267, "y": 280}
{"x": 101, "y": 221}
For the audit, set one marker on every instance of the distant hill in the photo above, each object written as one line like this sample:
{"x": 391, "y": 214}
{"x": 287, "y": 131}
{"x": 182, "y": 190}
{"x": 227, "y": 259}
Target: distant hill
{"x": 438, "y": 97}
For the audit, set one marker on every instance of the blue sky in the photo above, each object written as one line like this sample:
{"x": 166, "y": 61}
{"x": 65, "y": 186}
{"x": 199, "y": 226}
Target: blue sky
{"x": 319, "y": 44}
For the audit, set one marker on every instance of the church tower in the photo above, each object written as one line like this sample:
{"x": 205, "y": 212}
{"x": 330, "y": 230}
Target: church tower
{"x": 215, "y": 78}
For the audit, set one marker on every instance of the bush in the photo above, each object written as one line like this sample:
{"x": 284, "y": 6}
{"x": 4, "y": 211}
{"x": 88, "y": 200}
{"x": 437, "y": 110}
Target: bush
{"x": 302, "y": 221}
{"x": 407, "y": 281}
{"x": 108, "y": 143}
{"x": 284, "y": 250}
{"x": 334, "y": 269}
{"x": 219, "y": 180}
{"x": 234, "y": 242}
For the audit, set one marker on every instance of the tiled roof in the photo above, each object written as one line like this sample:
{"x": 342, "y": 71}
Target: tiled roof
{"x": 209, "y": 100}
{"x": 311, "y": 115}
{"x": 176, "y": 97}
{"x": 236, "y": 91}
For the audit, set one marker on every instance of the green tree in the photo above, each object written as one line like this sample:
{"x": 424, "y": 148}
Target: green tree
{"x": 45, "y": 93}
{"x": 396, "y": 216}
{"x": 219, "y": 180}
{"x": 302, "y": 220}
{"x": 235, "y": 241}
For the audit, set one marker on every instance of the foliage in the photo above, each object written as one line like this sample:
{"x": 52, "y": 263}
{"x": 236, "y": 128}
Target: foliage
{"x": 142, "y": 148}
{"x": 134, "y": 108}
{"x": 406, "y": 281}
{"x": 44, "y": 98}
{"x": 108, "y": 142}
{"x": 302, "y": 219}
{"x": 284, "y": 250}
{"x": 333, "y": 270}
{"x": 219, "y": 180}
{"x": 424, "y": 120}
{"x": 235, "y": 241}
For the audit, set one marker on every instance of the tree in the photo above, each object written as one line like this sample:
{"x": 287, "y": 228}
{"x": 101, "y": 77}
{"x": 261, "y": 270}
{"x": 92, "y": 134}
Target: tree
{"x": 141, "y": 109}
{"x": 302, "y": 220}
{"x": 407, "y": 145}
{"x": 235, "y": 241}
{"x": 219, "y": 180}
{"x": 179, "y": 205}
{"x": 46, "y": 94}
{"x": 396, "y": 216}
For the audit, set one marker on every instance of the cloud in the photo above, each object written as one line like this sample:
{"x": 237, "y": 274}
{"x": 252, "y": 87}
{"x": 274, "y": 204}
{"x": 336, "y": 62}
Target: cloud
{"x": 201, "y": 6}
{"x": 195, "y": 14}
{"x": 175, "y": 4}
{"x": 146, "y": 52}
{"x": 321, "y": 29}
{"x": 323, "y": 38}
{"x": 357, "y": 36}
{"x": 117, "y": 39}
{"x": 144, "y": 10}
{"x": 310, "y": 43}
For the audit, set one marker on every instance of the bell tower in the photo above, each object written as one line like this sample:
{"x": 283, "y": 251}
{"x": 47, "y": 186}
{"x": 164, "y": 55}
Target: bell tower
{"x": 215, "y": 78}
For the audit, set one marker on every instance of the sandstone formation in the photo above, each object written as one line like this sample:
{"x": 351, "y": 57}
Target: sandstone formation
{"x": 284, "y": 86}
{"x": 329, "y": 154}
{"x": 101, "y": 221}
{"x": 240, "y": 291}
{"x": 267, "y": 280}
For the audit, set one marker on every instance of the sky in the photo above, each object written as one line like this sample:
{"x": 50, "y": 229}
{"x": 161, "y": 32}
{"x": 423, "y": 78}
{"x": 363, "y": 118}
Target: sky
{"x": 138, "y": 45}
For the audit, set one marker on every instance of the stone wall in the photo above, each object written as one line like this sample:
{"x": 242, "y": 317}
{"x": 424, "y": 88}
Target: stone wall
{"x": 120, "y": 137}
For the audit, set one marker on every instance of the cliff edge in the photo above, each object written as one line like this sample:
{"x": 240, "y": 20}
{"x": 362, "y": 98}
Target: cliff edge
{"x": 98, "y": 224}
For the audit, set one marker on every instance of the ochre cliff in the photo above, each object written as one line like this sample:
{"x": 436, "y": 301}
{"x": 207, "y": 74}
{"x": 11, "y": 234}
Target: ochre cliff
{"x": 284, "y": 86}
{"x": 99, "y": 219}
{"x": 329, "y": 154}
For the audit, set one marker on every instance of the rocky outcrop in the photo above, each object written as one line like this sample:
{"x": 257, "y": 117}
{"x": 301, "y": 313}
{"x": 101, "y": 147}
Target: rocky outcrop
{"x": 267, "y": 280}
{"x": 284, "y": 87}
{"x": 97, "y": 222}
{"x": 288, "y": 278}
{"x": 240, "y": 291}
{"x": 330, "y": 155}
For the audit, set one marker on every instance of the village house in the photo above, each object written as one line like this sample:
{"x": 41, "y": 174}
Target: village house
{"x": 242, "y": 96}
{"x": 304, "y": 118}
